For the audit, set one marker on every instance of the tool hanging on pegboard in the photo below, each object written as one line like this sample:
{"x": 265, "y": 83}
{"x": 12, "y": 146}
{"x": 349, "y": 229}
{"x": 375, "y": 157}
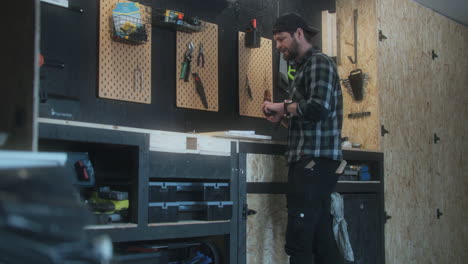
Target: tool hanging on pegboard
{"x": 200, "y": 89}
{"x": 201, "y": 56}
{"x": 248, "y": 88}
{"x": 252, "y": 35}
{"x": 138, "y": 79}
{"x": 186, "y": 65}
{"x": 266, "y": 86}
{"x": 358, "y": 115}
{"x": 356, "y": 84}
{"x": 355, "y": 17}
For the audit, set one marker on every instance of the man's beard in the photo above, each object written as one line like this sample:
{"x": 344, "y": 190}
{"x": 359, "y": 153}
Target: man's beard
{"x": 293, "y": 52}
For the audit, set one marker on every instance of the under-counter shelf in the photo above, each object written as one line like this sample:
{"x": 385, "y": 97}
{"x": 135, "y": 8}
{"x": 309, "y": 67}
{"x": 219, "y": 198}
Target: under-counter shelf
{"x": 359, "y": 187}
{"x": 163, "y": 231}
{"x": 360, "y": 182}
{"x": 111, "y": 226}
{"x": 119, "y": 162}
{"x": 341, "y": 187}
{"x": 188, "y": 223}
{"x": 124, "y": 161}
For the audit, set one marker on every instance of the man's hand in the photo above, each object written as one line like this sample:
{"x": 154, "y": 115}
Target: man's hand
{"x": 273, "y": 112}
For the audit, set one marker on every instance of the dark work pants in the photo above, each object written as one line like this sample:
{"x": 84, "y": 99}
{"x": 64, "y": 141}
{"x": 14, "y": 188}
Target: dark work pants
{"x": 309, "y": 235}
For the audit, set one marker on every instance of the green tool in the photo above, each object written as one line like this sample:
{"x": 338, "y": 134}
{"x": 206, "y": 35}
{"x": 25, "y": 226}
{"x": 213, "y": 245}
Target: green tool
{"x": 185, "y": 72}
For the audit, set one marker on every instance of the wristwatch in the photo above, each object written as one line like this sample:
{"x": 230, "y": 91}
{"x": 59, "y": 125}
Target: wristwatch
{"x": 286, "y": 103}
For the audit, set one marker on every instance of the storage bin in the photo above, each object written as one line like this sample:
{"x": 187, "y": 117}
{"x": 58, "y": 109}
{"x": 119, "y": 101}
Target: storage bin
{"x": 188, "y": 191}
{"x": 186, "y": 211}
{"x": 163, "y": 212}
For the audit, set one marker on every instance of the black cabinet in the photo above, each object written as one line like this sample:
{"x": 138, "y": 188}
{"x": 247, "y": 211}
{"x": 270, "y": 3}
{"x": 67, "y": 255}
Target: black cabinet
{"x": 363, "y": 199}
{"x": 362, "y": 216}
{"x": 122, "y": 160}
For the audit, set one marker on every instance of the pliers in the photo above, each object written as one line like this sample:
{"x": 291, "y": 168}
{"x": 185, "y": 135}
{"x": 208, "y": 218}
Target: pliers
{"x": 201, "y": 56}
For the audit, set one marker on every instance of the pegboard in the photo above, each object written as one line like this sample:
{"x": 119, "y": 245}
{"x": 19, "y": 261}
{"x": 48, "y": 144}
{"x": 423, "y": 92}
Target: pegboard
{"x": 256, "y": 65}
{"x": 187, "y": 96}
{"x": 121, "y": 66}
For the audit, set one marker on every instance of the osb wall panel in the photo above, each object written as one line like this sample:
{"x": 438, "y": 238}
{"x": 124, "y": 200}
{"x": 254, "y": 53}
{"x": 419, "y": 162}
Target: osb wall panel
{"x": 266, "y": 229}
{"x": 266, "y": 168}
{"x": 419, "y": 97}
{"x": 365, "y": 130}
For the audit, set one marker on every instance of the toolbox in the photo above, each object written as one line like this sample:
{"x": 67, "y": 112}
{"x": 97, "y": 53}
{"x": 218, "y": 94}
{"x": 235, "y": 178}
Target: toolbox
{"x": 188, "y": 191}
{"x": 184, "y": 211}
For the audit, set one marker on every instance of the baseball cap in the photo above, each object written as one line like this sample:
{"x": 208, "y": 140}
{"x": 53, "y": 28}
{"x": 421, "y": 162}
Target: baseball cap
{"x": 291, "y": 22}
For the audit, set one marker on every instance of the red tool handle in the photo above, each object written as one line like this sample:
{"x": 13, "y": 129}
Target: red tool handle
{"x": 254, "y": 23}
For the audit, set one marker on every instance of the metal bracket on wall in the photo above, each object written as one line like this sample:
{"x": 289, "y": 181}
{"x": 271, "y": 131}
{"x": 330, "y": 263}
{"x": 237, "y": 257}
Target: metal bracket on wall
{"x": 434, "y": 55}
{"x": 383, "y": 131}
{"x": 381, "y": 36}
{"x": 436, "y": 138}
{"x": 386, "y": 217}
{"x": 246, "y": 212}
{"x": 439, "y": 213}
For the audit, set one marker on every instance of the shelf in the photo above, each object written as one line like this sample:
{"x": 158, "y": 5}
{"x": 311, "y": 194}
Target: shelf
{"x": 165, "y": 231}
{"x": 359, "y": 187}
{"x": 113, "y": 226}
{"x": 342, "y": 187}
{"x": 362, "y": 155}
{"x": 360, "y": 182}
{"x": 188, "y": 223}
{"x": 189, "y": 229}
{"x": 187, "y": 28}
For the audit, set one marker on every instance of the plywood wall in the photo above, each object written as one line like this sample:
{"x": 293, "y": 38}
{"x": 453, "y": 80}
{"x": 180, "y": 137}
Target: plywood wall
{"x": 420, "y": 96}
{"x": 365, "y": 131}
{"x": 266, "y": 168}
{"x": 266, "y": 229}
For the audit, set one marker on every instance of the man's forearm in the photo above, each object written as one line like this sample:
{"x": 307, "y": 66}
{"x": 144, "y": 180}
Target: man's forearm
{"x": 311, "y": 111}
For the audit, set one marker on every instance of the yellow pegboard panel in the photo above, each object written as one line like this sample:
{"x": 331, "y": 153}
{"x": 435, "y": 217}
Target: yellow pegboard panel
{"x": 119, "y": 77}
{"x": 256, "y": 65}
{"x": 187, "y": 97}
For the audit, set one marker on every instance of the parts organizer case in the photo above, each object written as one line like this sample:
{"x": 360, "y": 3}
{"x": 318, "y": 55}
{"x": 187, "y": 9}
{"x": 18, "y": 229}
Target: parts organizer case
{"x": 183, "y": 211}
{"x": 188, "y": 191}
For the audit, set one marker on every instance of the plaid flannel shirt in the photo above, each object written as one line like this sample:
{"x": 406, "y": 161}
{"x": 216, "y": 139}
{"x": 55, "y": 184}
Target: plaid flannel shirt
{"x": 316, "y": 130}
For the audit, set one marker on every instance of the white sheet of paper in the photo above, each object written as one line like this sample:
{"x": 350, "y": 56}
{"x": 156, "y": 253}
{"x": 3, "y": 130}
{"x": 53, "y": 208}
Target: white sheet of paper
{"x": 63, "y": 3}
